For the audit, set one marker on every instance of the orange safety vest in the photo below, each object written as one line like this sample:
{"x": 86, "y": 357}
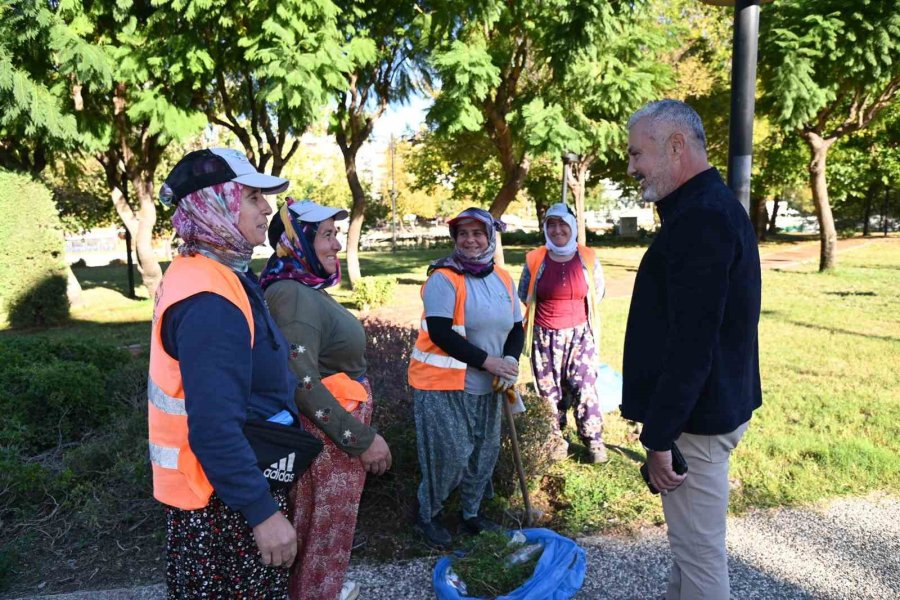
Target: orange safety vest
{"x": 430, "y": 368}
{"x": 178, "y": 477}
{"x": 348, "y": 392}
{"x": 534, "y": 261}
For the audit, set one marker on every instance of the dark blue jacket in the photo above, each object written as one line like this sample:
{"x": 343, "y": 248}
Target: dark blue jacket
{"x": 227, "y": 382}
{"x": 691, "y": 360}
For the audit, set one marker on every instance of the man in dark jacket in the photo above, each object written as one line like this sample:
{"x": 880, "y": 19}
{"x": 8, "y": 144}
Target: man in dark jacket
{"x": 691, "y": 361}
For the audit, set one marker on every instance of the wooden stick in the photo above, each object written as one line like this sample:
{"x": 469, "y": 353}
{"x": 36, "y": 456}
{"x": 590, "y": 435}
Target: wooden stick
{"x": 507, "y": 399}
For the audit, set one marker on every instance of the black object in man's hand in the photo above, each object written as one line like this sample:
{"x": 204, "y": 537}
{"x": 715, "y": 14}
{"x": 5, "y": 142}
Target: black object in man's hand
{"x": 679, "y": 465}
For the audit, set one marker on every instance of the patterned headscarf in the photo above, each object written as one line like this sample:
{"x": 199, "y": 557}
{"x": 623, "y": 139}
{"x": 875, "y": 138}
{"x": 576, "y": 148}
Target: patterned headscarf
{"x": 206, "y": 221}
{"x": 295, "y": 256}
{"x": 561, "y": 211}
{"x": 481, "y": 265}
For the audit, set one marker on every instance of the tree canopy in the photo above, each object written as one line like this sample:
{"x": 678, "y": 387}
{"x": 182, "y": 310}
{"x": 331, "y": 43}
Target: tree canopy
{"x": 828, "y": 69}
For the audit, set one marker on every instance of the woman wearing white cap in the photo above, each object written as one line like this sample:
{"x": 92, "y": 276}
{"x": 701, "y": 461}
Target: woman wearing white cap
{"x": 328, "y": 346}
{"x": 218, "y": 364}
{"x": 562, "y": 285}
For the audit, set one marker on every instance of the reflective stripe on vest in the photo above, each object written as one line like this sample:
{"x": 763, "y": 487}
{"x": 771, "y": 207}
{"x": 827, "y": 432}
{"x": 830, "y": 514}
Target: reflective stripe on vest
{"x": 430, "y": 368}
{"x": 178, "y": 477}
{"x": 163, "y": 456}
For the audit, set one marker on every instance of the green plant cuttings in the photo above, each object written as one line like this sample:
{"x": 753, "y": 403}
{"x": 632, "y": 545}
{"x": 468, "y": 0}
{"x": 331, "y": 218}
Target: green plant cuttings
{"x": 485, "y": 567}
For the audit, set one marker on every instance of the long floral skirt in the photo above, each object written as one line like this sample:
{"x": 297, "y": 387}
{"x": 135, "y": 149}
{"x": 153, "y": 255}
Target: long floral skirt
{"x": 325, "y": 502}
{"x": 211, "y": 553}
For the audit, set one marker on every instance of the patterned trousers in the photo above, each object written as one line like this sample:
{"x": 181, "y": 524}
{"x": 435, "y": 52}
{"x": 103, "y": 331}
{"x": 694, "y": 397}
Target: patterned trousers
{"x": 326, "y": 501}
{"x": 565, "y": 363}
{"x": 458, "y": 442}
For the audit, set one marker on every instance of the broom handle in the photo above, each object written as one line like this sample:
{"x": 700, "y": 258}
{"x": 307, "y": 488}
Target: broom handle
{"x": 510, "y": 394}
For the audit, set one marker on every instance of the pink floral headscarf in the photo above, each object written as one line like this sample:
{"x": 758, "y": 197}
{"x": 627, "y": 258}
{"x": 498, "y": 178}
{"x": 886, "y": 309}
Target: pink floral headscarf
{"x": 206, "y": 221}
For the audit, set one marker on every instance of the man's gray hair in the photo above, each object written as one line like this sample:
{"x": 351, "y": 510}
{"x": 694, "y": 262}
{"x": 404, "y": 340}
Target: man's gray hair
{"x": 674, "y": 113}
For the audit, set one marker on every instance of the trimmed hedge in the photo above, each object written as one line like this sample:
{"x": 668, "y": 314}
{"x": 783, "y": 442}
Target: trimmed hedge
{"x": 55, "y": 392}
{"x": 32, "y": 254}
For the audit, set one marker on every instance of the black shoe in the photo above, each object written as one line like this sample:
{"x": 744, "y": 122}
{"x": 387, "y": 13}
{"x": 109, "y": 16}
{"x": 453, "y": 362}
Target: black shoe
{"x": 477, "y": 524}
{"x": 435, "y": 534}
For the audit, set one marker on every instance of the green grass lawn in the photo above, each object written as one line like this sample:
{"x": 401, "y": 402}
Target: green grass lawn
{"x": 830, "y": 420}
{"x": 830, "y": 359}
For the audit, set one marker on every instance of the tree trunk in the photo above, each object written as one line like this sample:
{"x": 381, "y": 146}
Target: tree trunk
{"x": 867, "y": 210}
{"x": 140, "y": 226}
{"x": 356, "y": 215}
{"x": 818, "y": 183}
{"x": 577, "y": 179}
{"x": 512, "y": 183}
{"x": 758, "y": 216}
{"x": 884, "y": 207}
{"x": 773, "y": 227}
{"x": 73, "y": 287}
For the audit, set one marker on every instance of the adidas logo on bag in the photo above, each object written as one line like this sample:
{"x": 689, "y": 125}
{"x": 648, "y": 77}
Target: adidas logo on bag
{"x": 283, "y": 470}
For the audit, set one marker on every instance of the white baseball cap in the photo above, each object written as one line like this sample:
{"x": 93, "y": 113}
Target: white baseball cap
{"x": 246, "y": 174}
{"x": 204, "y": 168}
{"x": 310, "y": 212}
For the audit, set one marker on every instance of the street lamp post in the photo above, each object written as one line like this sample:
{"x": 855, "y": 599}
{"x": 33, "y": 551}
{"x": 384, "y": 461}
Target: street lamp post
{"x": 743, "y": 94}
{"x": 393, "y": 201}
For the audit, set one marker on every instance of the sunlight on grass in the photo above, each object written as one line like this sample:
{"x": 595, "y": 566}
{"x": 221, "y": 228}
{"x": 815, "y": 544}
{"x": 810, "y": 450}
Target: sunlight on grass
{"x": 829, "y": 351}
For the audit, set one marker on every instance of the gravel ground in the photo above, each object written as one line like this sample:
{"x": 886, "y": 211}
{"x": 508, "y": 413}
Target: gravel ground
{"x": 845, "y": 549}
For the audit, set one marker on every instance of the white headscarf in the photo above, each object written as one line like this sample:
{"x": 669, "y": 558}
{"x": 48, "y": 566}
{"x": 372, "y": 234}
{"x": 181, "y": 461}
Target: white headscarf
{"x": 561, "y": 211}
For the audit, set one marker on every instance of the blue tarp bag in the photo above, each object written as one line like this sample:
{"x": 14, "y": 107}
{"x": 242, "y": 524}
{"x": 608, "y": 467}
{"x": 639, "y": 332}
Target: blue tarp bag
{"x": 609, "y": 388}
{"x": 558, "y": 575}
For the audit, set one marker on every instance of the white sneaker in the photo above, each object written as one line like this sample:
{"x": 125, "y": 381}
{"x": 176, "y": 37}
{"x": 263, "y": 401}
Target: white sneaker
{"x": 350, "y": 590}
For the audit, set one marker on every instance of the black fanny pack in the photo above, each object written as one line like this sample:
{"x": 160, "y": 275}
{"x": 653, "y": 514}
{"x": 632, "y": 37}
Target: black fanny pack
{"x": 283, "y": 452}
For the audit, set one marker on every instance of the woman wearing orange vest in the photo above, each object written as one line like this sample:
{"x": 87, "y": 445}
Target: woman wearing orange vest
{"x": 328, "y": 355}
{"x": 562, "y": 285}
{"x": 470, "y": 333}
{"x": 217, "y": 360}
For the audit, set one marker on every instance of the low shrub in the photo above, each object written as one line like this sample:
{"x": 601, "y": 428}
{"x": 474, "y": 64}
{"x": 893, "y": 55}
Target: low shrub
{"x": 372, "y": 292}
{"x": 54, "y": 392}
{"x": 73, "y": 451}
{"x": 387, "y": 357}
{"x": 43, "y": 305}
{"x": 32, "y": 271}
{"x": 533, "y": 428}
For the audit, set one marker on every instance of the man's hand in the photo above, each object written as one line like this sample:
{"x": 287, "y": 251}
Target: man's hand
{"x": 501, "y": 367}
{"x": 377, "y": 457}
{"x": 659, "y": 466}
{"x": 277, "y": 541}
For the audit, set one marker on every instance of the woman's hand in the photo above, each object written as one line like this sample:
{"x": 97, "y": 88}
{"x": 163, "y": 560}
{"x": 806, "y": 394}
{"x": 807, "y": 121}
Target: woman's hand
{"x": 501, "y": 367}
{"x": 377, "y": 457}
{"x": 277, "y": 541}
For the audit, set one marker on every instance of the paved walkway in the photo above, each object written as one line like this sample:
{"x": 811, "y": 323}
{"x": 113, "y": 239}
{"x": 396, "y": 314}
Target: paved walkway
{"x": 844, "y": 549}
{"x": 796, "y": 255}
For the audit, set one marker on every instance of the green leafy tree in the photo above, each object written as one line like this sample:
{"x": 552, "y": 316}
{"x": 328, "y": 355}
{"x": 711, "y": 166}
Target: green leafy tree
{"x": 623, "y": 68}
{"x": 384, "y": 42}
{"x": 37, "y": 98}
{"x": 267, "y": 68}
{"x": 864, "y": 170}
{"x": 410, "y": 197}
{"x": 151, "y": 98}
{"x": 539, "y": 78}
{"x": 828, "y": 69}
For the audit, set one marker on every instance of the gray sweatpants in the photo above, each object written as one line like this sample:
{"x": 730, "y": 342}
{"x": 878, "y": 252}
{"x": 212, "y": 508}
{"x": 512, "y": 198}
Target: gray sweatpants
{"x": 458, "y": 442}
